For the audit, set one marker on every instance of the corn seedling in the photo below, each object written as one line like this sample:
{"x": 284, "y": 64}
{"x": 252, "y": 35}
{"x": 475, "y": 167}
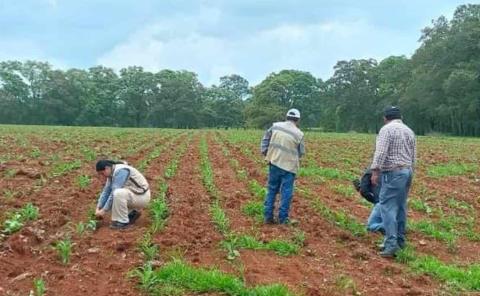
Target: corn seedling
{"x": 257, "y": 190}
{"x": 147, "y": 247}
{"x": 146, "y": 276}
{"x": 83, "y": 181}
{"x": 35, "y": 153}
{"x": 12, "y": 224}
{"x": 64, "y": 250}
{"x": 10, "y": 173}
{"x": 254, "y": 209}
{"x": 29, "y": 212}
{"x": 17, "y": 219}
{"x": 65, "y": 167}
{"x": 39, "y": 287}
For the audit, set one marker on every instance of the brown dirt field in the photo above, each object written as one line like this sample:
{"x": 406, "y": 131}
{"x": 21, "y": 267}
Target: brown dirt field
{"x": 189, "y": 230}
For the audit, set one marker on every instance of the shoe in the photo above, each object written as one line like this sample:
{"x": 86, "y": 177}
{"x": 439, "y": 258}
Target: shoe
{"x": 269, "y": 221}
{"x": 381, "y": 247}
{"x": 389, "y": 253}
{"x": 133, "y": 216}
{"x": 118, "y": 225}
{"x": 292, "y": 222}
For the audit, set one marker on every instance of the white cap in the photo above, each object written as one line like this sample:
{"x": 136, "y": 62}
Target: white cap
{"x": 293, "y": 113}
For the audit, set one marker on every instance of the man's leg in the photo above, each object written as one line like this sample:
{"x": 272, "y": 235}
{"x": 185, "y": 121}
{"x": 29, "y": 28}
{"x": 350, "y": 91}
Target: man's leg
{"x": 402, "y": 213}
{"x": 138, "y": 202}
{"x": 374, "y": 222}
{"x": 121, "y": 198}
{"x": 392, "y": 197}
{"x": 274, "y": 179}
{"x": 288, "y": 180}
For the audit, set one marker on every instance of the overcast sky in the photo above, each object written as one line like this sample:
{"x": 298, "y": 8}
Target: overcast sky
{"x": 214, "y": 38}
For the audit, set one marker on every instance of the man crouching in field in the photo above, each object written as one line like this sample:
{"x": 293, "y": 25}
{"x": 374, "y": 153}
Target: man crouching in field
{"x": 125, "y": 191}
{"x": 393, "y": 162}
{"x": 283, "y": 146}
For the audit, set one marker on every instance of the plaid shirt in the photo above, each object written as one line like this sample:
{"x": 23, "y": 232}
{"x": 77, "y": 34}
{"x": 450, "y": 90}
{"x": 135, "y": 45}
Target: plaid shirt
{"x": 395, "y": 147}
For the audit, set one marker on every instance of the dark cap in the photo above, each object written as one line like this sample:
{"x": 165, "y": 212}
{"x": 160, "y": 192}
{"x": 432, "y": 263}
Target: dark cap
{"x": 102, "y": 164}
{"x": 392, "y": 112}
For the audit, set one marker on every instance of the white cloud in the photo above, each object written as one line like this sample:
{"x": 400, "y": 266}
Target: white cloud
{"x": 182, "y": 42}
{"x": 22, "y": 50}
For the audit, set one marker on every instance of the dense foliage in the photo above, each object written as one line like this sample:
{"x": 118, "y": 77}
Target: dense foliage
{"x": 438, "y": 88}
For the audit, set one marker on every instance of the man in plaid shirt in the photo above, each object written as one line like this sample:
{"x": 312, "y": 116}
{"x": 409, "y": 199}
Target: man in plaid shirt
{"x": 393, "y": 162}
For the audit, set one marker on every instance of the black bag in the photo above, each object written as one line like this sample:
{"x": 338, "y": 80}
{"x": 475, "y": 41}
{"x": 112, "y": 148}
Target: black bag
{"x": 365, "y": 187}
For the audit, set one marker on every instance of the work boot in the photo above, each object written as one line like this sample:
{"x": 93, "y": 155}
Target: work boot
{"x": 133, "y": 216}
{"x": 118, "y": 225}
{"x": 291, "y": 222}
{"x": 391, "y": 253}
{"x": 269, "y": 221}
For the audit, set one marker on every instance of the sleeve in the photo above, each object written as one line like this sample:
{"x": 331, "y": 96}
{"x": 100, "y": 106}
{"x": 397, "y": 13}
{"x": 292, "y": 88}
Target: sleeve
{"x": 118, "y": 181}
{"x": 107, "y": 189}
{"x": 266, "y": 141}
{"x": 381, "y": 149}
{"x": 301, "y": 148}
{"x": 414, "y": 159}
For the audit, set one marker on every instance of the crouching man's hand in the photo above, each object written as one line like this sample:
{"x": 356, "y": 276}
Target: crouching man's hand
{"x": 99, "y": 213}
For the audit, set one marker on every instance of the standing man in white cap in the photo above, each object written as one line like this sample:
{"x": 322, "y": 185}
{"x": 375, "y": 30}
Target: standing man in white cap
{"x": 283, "y": 146}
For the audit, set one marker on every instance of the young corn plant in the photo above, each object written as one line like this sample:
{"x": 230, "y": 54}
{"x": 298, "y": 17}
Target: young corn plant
{"x": 13, "y": 224}
{"x": 146, "y": 276}
{"x": 39, "y": 288}
{"x": 158, "y": 209}
{"x": 148, "y": 248}
{"x": 83, "y": 181}
{"x": 64, "y": 250}
{"x": 29, "y": 212}
{"x": 254, "y": 209}
{"x": 17, "y": 219}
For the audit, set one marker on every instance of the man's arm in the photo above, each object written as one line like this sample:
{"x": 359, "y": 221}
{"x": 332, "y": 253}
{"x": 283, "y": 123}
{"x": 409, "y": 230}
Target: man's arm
{"x": 381, "y": 150}
{"x": 301, "y": 148}
{"x": 107, "y": 189}
{"x": 118, "y": 181}
{"x": 266, "y": 141}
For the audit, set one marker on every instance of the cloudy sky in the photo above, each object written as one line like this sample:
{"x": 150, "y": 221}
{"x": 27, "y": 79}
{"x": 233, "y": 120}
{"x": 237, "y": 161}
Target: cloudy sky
{"x": 213, "y": 38}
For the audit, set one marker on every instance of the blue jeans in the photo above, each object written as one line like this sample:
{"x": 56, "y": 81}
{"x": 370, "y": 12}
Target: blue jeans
{"x": 281, "y": 181}
{"x": 393, "y": 206}
{"x": 374, "y": 222}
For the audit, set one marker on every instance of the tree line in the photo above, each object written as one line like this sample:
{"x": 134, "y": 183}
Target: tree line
{"x": 438, "y": 89}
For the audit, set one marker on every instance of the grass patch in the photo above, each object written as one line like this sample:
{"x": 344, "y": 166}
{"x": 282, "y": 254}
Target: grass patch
{"x": 257, "y": 190}
{"x": 451, "y": 169}
{"x": 65, "y": 167}
{"x": 254, "y": 209}
{"x": 467, "y": 278}
{"x": 328, "y": 173}
{"x": 340, "y": 218}
{"x": 345, "y": 190}
{"x": 177, "y": 276}
{"x": 280, "y": 247}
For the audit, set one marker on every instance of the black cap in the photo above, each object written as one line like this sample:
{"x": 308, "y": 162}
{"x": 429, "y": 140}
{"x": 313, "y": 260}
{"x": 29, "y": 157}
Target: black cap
{"x": 392, "y": 112}
{"x": 102, "y": 164}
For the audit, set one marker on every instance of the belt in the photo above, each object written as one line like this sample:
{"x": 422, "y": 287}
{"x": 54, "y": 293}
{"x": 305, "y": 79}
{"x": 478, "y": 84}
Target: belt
{"x": 397, "y": 168}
